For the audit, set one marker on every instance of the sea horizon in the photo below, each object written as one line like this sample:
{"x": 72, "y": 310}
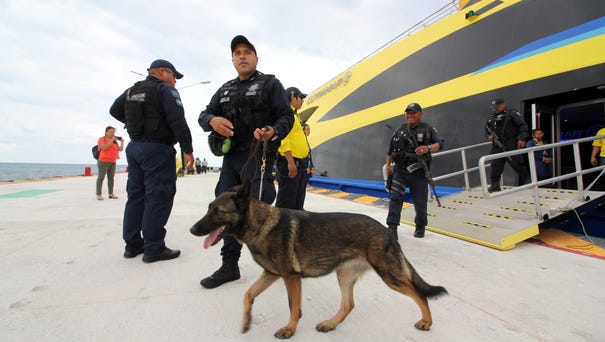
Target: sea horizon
{"x": 10, "y": 171}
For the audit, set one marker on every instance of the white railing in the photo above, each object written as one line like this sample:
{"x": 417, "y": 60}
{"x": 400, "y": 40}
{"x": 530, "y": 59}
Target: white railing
{"x": 534, "y": 184}
{"x": 465, "y": 169}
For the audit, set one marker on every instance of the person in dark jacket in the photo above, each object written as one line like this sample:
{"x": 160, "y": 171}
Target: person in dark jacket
{"x": 410, "y": 149}
{"x": 251, "y": 107}
{"x": 155, "y": 120}
{"x": 543, "y": 158}
{"x": 507, "y": 131}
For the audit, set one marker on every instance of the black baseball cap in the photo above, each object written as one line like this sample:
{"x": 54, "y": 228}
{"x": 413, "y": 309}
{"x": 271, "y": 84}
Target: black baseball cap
{"x": 161, "y": 63}
{"x": 414, "y": 107}
{"x": 241, "y": 40}
{"x": 294, "y": 91}
{"x": 496, "y": 102}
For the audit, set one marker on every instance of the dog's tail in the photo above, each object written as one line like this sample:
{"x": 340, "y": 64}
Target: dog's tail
{"x": 423, "y": 288}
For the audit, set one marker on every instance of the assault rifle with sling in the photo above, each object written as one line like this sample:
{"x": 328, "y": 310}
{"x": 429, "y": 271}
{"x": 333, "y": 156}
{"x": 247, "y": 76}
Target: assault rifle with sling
{"x": 423, "y": 162}
{"x": 497, "y": 141}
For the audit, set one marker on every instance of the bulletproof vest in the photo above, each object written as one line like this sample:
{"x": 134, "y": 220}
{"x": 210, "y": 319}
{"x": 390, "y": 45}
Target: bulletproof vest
{"x": 242, "y": 104}
{"x": 144, "y": 118}
{"x": 406, "y": 139}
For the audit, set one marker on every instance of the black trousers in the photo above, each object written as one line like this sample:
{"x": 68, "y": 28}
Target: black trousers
{"x": 292, "y": 191}
{"x": 418, "y": 185}
{"x": 234, "y": 172}
{"x": 516, "y": 162}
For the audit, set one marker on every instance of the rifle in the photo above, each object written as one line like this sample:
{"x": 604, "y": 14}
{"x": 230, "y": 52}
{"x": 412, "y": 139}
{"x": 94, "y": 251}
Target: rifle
{"x": 499, "y": 143}
{"x": 429, "y": 177}
{"x": 496, "y": 139}
{"x": 424, "y": 164}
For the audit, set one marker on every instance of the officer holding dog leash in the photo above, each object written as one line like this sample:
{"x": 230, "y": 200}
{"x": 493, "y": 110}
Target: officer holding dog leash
{"x": 251, "y": 106}
{"x": 412, "y": 142}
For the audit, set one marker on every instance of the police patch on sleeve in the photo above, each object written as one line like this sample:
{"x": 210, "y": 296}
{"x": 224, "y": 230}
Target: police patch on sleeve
{"x": 177, "y": 97}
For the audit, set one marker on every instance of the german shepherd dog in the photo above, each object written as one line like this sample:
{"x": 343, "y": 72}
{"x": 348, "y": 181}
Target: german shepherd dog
{"x": 293, "y": 244}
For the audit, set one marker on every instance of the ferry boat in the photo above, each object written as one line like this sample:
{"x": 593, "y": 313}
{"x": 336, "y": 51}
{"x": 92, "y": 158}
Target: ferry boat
{"x": 545, "y": 58}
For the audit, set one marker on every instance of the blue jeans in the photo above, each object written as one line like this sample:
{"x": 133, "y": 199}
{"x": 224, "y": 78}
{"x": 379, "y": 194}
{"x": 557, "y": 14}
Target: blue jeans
{"x": 151, "y": 188}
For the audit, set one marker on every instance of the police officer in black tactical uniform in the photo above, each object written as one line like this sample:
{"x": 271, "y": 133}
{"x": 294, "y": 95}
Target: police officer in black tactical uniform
{"x": 410, "y": 149}
{"x": 251, "y": 106}
{"x": 507, "y": 131}
{"x": 155, "y": 120}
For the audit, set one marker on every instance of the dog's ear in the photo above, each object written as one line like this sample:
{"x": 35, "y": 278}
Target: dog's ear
{"x": 243, "y": 194}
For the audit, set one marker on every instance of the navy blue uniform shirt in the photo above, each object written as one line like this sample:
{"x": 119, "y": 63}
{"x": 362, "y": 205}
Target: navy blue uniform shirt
{"x": 273, "y": 94}
{"x": 171, "y": 105}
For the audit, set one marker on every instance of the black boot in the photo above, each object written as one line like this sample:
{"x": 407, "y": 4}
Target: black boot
{"x": 229, "y": 271}
{"x": 419, "y": 232}
{"x": 495, "y": 187}
{"x": 393, "y": 231}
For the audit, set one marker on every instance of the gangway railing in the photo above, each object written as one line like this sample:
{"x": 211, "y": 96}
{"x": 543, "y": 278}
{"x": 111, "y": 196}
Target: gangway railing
{"x": 535, "y": 183}
{"x": 463, "y": 157}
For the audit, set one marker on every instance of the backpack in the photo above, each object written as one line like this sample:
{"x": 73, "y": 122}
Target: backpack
{"x": 95, "y": 151}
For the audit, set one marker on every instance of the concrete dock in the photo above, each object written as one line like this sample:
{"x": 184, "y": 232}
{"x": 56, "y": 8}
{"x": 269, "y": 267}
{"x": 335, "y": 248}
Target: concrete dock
{"x": 64, "y": 279}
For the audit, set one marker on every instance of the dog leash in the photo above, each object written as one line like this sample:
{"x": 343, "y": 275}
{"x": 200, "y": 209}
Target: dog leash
{"x": 262, "y": 171}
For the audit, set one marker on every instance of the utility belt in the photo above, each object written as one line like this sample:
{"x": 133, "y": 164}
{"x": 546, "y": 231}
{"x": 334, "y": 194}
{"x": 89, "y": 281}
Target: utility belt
{"x": 152, "y": 140}
{"x": 409, "y": 161}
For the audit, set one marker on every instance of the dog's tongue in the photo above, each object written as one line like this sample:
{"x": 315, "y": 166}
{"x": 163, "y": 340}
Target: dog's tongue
{"x": 210, "y": 239}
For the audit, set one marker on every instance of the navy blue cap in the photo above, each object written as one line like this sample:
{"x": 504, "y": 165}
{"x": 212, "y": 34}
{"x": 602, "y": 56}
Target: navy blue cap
{"x": 241, "y": 40}
{"x": 414, "y": 107}
{"x": 496, "y": 102}
{"x": 294, "y": 91}
{"x": 161, "y": 63}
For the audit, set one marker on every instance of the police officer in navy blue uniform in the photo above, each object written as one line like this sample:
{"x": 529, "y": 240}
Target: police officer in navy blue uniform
{"x": 507, "y": 131}
{"x": 252, "y": 106}
{"x": 155, "y": 120}
{"x": 414, "y": 140}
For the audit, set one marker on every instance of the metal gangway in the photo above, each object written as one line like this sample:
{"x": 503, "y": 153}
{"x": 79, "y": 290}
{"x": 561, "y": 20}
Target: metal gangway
{"x": 502, "y": 219}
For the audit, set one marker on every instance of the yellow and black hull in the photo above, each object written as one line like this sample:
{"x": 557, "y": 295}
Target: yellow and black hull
{"x": 520, "y": 50}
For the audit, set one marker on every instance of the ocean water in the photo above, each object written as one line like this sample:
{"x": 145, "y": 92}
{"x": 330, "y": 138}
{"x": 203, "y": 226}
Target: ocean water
{"x": 20, "y": 171}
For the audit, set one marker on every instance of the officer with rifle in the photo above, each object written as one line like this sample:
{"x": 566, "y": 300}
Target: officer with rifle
{"x": 507, "y": 131}
{"x": 410, "y": 149}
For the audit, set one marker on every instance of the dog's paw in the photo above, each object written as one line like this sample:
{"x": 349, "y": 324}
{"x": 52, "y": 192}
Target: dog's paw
{"x": 423, "y": 325}
{"x": 284, "y": 332}
{"x": 325, "y": 326}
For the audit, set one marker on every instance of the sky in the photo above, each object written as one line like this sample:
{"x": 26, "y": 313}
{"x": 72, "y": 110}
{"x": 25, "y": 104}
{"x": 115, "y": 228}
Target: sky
{"x": 65, "y": 62}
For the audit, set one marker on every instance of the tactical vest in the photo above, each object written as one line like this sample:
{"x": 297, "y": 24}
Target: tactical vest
{"x": 406, "y": 139}
{"x": 144, "y": 118}
{"x": 242, "y": 104}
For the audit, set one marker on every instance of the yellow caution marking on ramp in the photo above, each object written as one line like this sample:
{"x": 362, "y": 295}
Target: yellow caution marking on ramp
{"x": 477, "y": 224}
{"x": 476, "y": 196}
{"x": 462, "y": 202}
{"x": 499, "y": 216}
{"x": 558, "y": 191}
{"x": 531, "y": 203}
{"x": 527, "y": 211}
{"x": 550, "y": 197}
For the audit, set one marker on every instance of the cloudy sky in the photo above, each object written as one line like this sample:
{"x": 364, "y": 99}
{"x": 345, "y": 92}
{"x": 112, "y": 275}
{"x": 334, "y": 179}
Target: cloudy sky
{"x": 64, "y": 62}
